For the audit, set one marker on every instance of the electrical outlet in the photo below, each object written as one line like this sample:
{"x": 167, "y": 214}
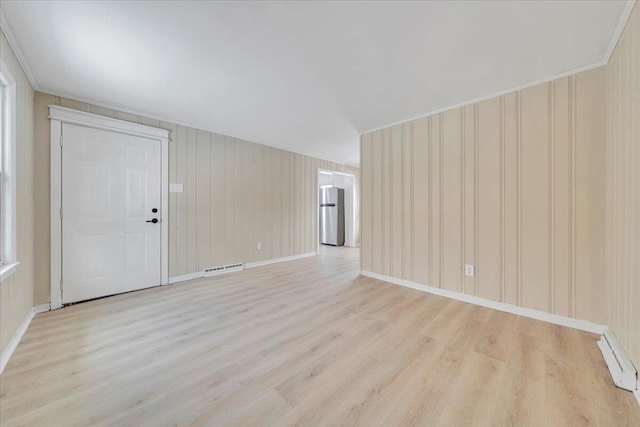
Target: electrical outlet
{"x": 259, "y": 245}
{"x": 176, "y": 188}
{"x": 468, "y": 270}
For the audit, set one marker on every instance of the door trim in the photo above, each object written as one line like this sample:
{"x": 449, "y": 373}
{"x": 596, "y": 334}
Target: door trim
{"x": 60, "y": 115}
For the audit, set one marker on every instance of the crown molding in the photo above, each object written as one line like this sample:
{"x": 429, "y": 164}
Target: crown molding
{"x": 15, "y": 46}
{"x": 624, "y": 17}
{"x": 490, "y": 96}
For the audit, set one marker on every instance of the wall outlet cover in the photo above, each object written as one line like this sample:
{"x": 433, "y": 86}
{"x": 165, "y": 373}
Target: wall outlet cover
{"x": 176, "y": 188}
{"x": 259, "y": 245}
{"x": 468, "y": 270}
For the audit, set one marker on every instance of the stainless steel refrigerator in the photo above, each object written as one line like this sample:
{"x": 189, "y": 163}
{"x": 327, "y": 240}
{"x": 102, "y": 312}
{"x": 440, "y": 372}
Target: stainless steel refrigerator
{"x": 332, "y": 216}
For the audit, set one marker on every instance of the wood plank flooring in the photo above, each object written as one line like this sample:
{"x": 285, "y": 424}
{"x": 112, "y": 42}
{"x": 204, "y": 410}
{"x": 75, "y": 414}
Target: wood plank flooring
{"x": 307, "y": 343}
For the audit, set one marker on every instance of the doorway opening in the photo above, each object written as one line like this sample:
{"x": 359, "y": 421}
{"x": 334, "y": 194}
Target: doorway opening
{"x": 337, "y": 216}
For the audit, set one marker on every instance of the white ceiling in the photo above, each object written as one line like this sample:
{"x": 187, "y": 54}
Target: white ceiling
{"x": 306, "y": 77}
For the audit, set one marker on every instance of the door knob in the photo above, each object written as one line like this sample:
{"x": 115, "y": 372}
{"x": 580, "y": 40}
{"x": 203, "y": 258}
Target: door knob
{"x": 154, "y": 220}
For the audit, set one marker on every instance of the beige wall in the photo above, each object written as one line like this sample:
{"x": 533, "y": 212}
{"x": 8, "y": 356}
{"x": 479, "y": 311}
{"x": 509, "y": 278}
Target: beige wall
{"x": 236, "y": 193}
{"x": 16, "y": 292}
{"x": 623, "y": 188}
{"x": 513, "y": 185}
{"x": 539, "y": 189}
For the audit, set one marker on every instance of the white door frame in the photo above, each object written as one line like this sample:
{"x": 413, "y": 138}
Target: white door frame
{"x": 333, "y": 172}
{"x": 60, "y": 115}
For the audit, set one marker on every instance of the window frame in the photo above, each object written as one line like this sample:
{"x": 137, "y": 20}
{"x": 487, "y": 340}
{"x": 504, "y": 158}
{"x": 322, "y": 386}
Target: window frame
{"x": 8, "y": 246}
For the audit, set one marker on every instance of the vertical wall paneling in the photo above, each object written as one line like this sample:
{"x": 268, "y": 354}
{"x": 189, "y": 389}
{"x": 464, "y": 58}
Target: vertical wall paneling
{"x": 396, "y": 201}
{"x": 476, "y": 203}
{"x": 376, "y": 199}
{"x": 463, "y": 156}
{"x": 622, "y": 215}
{"x": 489, "y": 212}
{"x": 297, "y": 212}
{"x": 468, "y": 126}
{"x": 41, "y": 201}
{"x": 386, "y": 201}
{"x": 276, "y": 203}
{"x": 421, "y": 190}
{"x": 17, "y": 291}
{"x": 236, "y": 194}
{"x": 590, "y": 211}
{"x": 366, "y": 212}
{"x": 246, "y": 247}
{"x": 267, "y": 204}
{"x": 509, "y": 198}
{"x": 535, "y": 177}
{"x": 407, "y": 200}
{"x": 173, "y": 211}
{"x": 519, "y": 198}
{"x": 181, "y": 200}
{"x": 258, "y": 202}
{"x": 572, "y": 199}
{"x": 560, "y": 197}
{"x": 286, "y": 204}
{"x": 451, "y": 198}
{"x": 231, "y": 195}
{"x": 219, "y": 238}
{"x": 551, "y": 195}
{"x": 501, "y": 221}
{"x": 435, "y": 200}
{"x": 431, "y": 173}
{"x": 511, "y": 185}
{"x": 306, "y": 225}
{"x": 203, "y": 205}
{"x": 192, "y": 200}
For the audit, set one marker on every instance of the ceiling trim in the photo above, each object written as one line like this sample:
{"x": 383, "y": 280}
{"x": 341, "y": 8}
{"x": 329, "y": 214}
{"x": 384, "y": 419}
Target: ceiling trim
{"x": 490, "y": 96}
{"x": 15, "y": 46}
{"x": 624, "y": 17}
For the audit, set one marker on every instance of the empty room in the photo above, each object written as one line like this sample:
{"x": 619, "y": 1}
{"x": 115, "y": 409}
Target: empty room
{"x": 319, "y": 213}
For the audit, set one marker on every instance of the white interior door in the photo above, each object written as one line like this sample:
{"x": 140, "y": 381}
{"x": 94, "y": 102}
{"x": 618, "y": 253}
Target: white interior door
{"x": 111, "y": 183}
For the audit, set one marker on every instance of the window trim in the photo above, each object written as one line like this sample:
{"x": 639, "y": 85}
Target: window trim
{"x": 8, "y": 246}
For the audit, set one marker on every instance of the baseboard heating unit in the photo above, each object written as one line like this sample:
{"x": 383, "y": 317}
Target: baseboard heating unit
{"x": 623, "y": 372}
{"x": 223, "y": 269}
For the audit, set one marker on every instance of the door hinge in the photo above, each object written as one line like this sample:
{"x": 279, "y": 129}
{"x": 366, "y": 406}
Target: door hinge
{"x": 60, "y": 212}
{"x": 60, "y": 139}
{"x": 60, "y": 285}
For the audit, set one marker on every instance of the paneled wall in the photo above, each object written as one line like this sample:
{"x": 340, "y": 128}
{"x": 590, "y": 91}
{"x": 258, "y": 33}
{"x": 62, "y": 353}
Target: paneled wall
{"x": 236, "y": 194}
{"x": 513, "y": 185}
{"x": 623, "y": 188}
{"x": 16, "y": 292}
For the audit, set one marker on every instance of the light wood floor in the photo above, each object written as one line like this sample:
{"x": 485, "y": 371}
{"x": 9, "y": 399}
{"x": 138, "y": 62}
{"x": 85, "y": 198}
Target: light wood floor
{"x": 307, "y": 343}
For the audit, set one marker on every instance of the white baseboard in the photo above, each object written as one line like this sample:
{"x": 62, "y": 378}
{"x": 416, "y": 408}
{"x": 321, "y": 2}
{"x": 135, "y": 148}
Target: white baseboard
{"x": 185, "y": 277}
{"x": 201, "y": 274}
{"x": 557, "y": 319}
{"x": 42, "y": 308}
{"x": 276, "y": 260}
{"x": 13, "y": 344}
{"x": 637, "y": 395}
{"x": 188, "y": 276}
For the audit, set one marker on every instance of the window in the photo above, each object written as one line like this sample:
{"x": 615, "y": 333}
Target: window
{"x": 8, "y": 261}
